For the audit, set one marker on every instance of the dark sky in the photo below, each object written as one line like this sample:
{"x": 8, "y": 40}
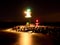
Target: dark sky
{"x": 44, "y": 10}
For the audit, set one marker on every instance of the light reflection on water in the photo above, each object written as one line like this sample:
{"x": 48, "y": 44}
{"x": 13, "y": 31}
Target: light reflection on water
{"x": 25, "y": 39}
{"x": 29, "y": 39}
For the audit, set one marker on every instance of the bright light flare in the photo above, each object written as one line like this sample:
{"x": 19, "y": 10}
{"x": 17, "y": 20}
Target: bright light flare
{"x": 28, "y": 13}
{"x": 8, "y": 29}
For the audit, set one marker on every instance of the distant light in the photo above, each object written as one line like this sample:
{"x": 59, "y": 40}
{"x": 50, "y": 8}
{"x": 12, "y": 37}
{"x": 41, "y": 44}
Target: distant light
{"x": 26, "y": 29}
{"x": 28, "y": 10}
{"x": 27, "y": 23}
{"x": 30, "y": 31}
{"x": 28, "y": 13}
{"x": 37, "y": 23}
{"x": 37, "y": 20}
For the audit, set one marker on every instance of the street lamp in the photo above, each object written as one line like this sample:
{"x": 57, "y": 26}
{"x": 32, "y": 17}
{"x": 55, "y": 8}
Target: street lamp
{"x": 28, "y": 16}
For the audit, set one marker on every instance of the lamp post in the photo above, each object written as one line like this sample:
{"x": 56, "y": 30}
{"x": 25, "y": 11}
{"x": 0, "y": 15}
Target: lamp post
{"x": 28, "y": 16}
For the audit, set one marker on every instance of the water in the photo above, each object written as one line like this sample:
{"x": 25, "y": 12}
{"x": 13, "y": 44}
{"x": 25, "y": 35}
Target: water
{"x": 24, "y": 38}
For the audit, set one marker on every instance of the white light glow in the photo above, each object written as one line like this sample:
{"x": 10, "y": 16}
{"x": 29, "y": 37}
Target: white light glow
{"x": 28, "y": 14}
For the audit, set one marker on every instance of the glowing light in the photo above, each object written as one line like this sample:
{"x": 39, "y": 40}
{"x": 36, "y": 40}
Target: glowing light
{"x": 25, "y": 39}
{"x": 27, "y": 23}
{"x": 32, "y": 25}
{"x": 28, "y": 13}
{"x": 37, "y": 23}
{"x": 28, "y": 10}
{"x": 36, "y": 20}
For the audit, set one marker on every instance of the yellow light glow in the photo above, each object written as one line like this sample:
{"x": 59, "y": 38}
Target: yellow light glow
{"x": 25, "y": 39}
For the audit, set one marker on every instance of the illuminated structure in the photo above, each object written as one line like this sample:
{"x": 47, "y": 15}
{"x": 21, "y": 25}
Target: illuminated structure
{"x": 28, "y": 13}
{"x": 37, "y": 23}
{"x": 28, "y": 16}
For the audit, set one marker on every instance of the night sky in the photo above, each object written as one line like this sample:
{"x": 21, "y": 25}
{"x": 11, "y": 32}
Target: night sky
{"x": 45, "y": 11}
